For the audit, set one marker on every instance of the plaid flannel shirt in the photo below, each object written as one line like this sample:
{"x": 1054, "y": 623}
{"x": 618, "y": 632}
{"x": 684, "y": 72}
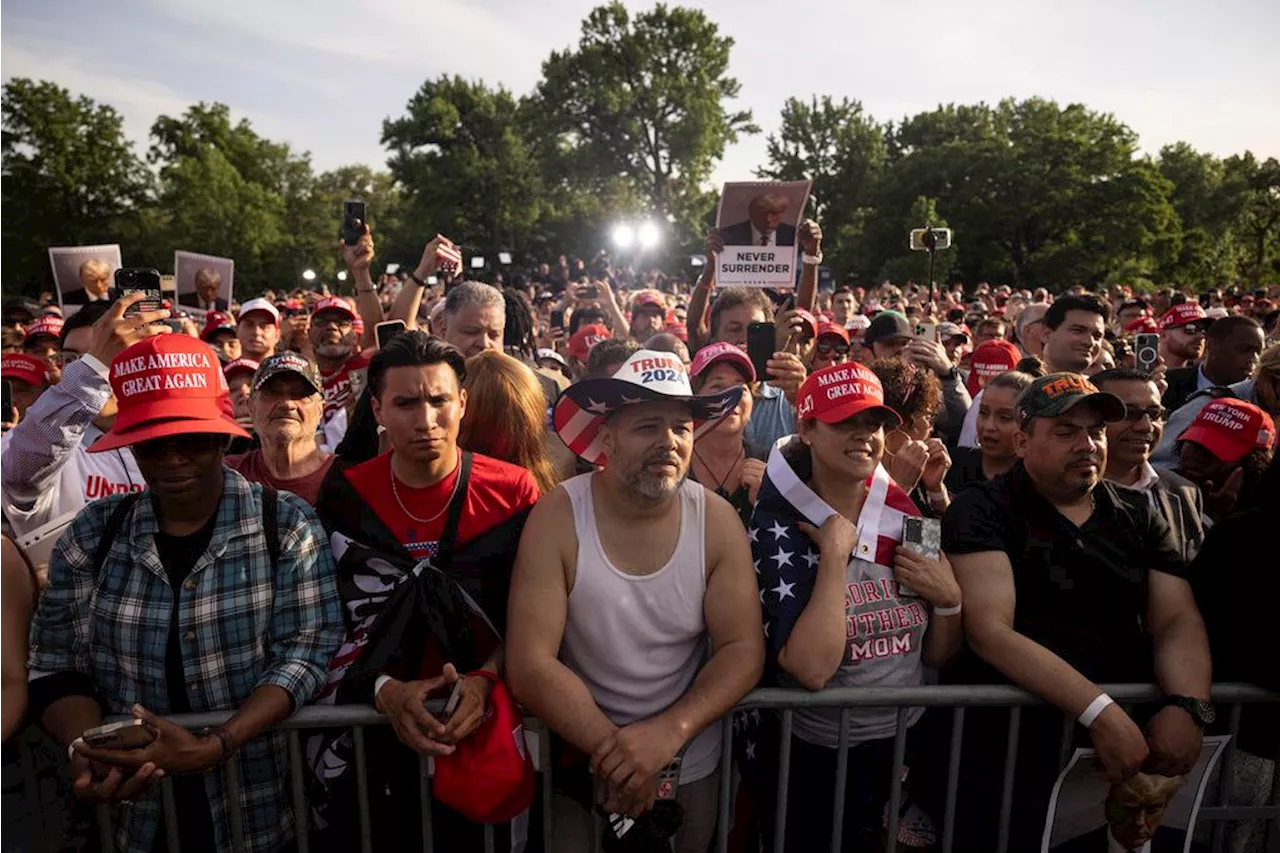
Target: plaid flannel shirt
{"x": 240, "y": 625}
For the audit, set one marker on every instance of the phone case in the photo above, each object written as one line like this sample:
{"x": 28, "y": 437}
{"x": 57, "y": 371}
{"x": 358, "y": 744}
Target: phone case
{"x": 923, "y": 536}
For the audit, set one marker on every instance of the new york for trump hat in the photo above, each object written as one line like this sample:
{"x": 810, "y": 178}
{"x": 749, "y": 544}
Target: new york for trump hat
{"x": 23, "y": 368}
{"x": 167, "y": 385}
{"x": 48, "y": 326}
{"x": 647, "y": 377}
{"x": 837, "y": 393}
{"x": 1182, "y": 314}
{"x": 990, "y": 360}
{"x": 1059, "y": 393}
{"x": 1230, "y": 429}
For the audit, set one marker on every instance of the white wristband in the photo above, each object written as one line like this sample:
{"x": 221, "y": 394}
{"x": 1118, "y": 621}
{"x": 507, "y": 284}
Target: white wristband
{"x": 1096, "y": 707}
{"x": 953, "y": 610}
{"x": 378, "y": 685}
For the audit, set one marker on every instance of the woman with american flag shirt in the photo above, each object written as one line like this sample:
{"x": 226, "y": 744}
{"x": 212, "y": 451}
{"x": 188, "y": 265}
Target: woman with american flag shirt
{"x": 844, "y": 605}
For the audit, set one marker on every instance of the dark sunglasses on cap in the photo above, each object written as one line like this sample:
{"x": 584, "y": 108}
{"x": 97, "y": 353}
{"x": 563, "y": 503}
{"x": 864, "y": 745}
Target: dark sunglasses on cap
{"x": 1155, "y": 413}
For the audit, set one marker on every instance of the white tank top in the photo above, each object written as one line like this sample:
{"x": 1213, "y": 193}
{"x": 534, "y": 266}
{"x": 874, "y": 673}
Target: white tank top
{"x": 638, "y": 641}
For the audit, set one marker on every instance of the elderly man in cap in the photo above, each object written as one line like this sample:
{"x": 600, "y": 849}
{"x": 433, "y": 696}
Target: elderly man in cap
{"x": 285, "y": 403}
{"x": 632, "y": 620}
{"x": 1069, "y": 582}
{"x": 258, "y": 329}
{"x": 207, "y": 593}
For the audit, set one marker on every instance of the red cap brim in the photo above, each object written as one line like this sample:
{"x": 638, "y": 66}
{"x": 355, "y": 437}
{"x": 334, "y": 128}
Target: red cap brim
{"x": 165, "y": 428}
{"x": 844, "y": 411}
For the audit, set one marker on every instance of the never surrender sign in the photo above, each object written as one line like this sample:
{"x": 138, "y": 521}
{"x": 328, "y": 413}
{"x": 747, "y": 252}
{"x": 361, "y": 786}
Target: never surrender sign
{"x": 758, "y": 222}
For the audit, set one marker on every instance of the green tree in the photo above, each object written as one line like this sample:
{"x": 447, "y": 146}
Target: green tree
{"x": 908, "y": 265}
{"x": 465, "y": 166}
{"x": 70, "y": 176}
{"x": 1253, "y": 192}
{"x": 642, "y": 99}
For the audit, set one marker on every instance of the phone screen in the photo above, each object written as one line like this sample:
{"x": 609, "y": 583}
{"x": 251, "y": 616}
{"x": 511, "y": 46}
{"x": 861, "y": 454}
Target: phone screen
{"x": 353, "y": 221}
{"x": 557, "y": 319}
{"x": 384, "y": 332}
{"x": 142, "y": 279}
{"x": 760, "y": 345}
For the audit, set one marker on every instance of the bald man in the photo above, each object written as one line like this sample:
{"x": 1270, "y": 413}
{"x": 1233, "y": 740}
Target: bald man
{"x": 765, "y": 227}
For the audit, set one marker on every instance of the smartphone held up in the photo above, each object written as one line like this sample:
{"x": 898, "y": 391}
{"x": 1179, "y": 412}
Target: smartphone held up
{"x": 144, "y": 280}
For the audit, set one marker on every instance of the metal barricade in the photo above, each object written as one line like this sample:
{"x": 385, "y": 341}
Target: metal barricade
{"x": 785, "y": 702}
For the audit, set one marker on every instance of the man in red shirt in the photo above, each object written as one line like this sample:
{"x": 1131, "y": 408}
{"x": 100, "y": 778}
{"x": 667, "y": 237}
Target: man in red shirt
{"x": 425, "y": 499}
{"x": 333, "y": 341}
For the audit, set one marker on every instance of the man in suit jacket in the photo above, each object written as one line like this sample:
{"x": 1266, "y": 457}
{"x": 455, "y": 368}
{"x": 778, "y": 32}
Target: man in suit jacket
{"x": 765, "y": 226}
{"x": 95, "y": 284}
{"x": 208, "y": 283}
{"x": 1232, "y": 347}
{"x": 1129, "y": 446}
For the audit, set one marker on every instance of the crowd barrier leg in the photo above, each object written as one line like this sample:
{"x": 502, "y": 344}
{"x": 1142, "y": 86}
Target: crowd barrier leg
{"x": 1222, "y": 797}
{"x": 1272, "y": 839}
{"x": 424, "y": 804}
{"x": 170, "y": 815}
{"x": 726, "y": 785}
{"x": 953, "y": 779}
{"x": 597, "y": 830}
{"x": 362, "y": 790}
{"x": 231, "y": 773}
{"x": 895, "y": 781}
{"x": 1068, "y": 735}
{"x": 295, "y": 786}
{"x": 1006, "y": 785}
{"x": 784, "y": 779}
{"x": 842, "y": 782}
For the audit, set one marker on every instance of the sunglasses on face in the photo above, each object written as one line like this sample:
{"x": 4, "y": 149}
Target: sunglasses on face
{"x": 1155, "y": 413}
{"x": 1194, "y": 329}
{"x": 827, "y": 348}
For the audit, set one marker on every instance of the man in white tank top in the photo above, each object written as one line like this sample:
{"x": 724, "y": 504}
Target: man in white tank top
{"x": 632, "y": 619}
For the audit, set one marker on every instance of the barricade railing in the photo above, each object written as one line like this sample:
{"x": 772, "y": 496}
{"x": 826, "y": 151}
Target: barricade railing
{"x": 784, "y": 701}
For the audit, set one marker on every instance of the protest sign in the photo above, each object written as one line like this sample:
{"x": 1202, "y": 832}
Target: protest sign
{"x": 204, "y": 282}
{"x": 84, "y": 274}
{"x": 759, "y": 223}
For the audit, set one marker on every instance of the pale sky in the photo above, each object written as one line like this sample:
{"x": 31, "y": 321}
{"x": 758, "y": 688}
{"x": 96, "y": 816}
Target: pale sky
{"x": 322, "y": 75}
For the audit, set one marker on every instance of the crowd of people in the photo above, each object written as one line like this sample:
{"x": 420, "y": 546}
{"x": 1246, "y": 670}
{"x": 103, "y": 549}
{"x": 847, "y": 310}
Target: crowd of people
{"x": 575, "y": 494}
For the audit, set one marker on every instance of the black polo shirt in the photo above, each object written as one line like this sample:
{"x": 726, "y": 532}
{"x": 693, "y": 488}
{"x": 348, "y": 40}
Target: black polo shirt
{"x": 965, "y": 470}
{"x": 1081, "y": 591}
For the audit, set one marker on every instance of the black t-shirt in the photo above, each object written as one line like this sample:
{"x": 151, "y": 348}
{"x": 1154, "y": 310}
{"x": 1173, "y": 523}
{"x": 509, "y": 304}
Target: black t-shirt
{"x": 965, "y": 471}
{"x": 740, "y": 499}
{"x": 1081, "y": 591}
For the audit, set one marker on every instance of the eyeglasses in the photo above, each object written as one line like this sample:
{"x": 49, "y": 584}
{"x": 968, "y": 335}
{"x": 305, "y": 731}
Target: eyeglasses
{"x": 1194, "y": 328}
{"x": 1156, "y": 414}
{"x": 827, "y": 348}
{"x": 341, "y": 321}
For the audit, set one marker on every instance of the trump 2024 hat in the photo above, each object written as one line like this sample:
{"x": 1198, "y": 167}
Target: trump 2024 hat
{"x": 1059, "y": 393}
{"x": 646, "y": 377}
{"x": 837, "y": 393}
{"x": 167, "y": 385}
{"x": 1230, "y": 429}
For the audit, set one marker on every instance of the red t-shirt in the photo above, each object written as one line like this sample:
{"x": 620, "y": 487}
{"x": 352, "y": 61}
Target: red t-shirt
{"x": 337, "y": 382}
{"x": 254, "y": 469}
{"x": 498, "y": 490}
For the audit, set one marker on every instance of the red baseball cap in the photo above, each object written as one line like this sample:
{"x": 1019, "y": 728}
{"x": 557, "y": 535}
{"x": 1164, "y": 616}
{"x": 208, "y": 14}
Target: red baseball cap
{"x": 837, "y": 393}
{"x": 722, "y": 351}
{"x": 240, "y": 365}
{"x": 333, "y": 303}
{"x": 488, "y": 778}
{"x": 1182, "y": 314}
{"x": 646, "y": 298}
{"x": 584, "y": 339}
{"x": 825, "y": 328}
{"x": 1143, "y": 325}
{"x": 24, "y": 368}
{"x": 167, "y": 385}
{"x": 990, "y": 360}
{"x": 217, "y": 321}
{"x": 1230, "y": 428}
{"x": 49, "y": 325}
{"x": 809, "y": 319}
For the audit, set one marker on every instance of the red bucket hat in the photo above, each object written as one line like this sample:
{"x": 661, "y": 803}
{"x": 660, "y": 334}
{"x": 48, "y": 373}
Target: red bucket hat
{"x": 1230, "y": 429}
{"x": 839, "y": 392}
{"x": 1182, "y": 314}
{"x": 488, "y": 778}
{"x": 989, "y": 361}
{"x": 24, "y": 368}
{"x": 167, "y": 385}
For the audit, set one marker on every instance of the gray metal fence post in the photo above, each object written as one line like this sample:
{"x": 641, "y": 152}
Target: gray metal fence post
{"x": 842, "y": 782}
{"x": 231, "y": 775}
{"x": 784, "y": 779}
{"x": 424, "y": 803}
{"x": 1006, "y": 786}
{"x": 170, "y": 815}
{"x": 895, "y": 781}
{"x": 362, "y": 790}
{"x": 953, "y": 779}
{"x": 295, "y": 785}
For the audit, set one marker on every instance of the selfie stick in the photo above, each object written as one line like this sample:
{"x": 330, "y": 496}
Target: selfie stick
{"x": 930, "y": 239}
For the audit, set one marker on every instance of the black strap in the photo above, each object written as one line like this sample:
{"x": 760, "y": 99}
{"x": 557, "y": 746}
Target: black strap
{"x": 271, "y": 524}
{"x": 114, "y": 522}
{"x": 444, "y": 547}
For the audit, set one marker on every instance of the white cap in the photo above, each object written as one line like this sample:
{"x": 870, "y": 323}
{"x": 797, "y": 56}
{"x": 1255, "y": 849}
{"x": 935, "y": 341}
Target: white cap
{"x": 1217, "y": 313}
{"x": 552, "y": 355}
{"x": 858, "y": 323}
{"x": 259, "y": 304}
